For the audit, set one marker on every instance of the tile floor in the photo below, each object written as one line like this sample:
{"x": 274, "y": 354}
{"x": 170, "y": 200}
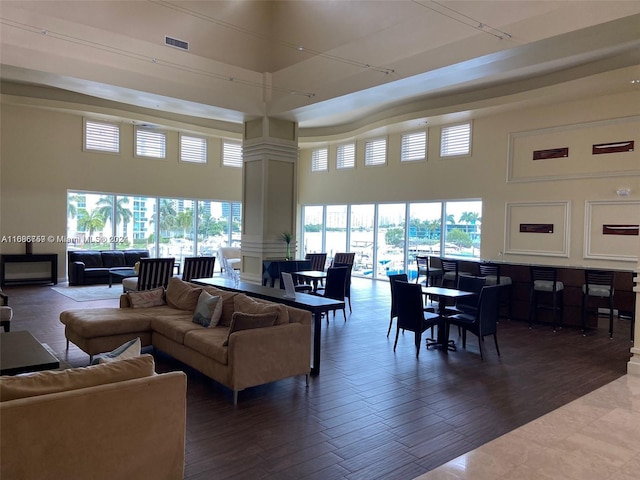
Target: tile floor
{"x": 594, "y": 437}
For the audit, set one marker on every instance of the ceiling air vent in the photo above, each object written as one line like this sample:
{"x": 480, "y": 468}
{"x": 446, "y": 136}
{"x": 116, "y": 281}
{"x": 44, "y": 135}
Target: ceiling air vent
{"x": 174, "y": 42}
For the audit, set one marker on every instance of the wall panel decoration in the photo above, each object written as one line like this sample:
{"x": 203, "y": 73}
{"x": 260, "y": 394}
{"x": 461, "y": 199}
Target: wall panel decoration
{"x": 542, "y": 155}
{"x": 537, "y": 228}
{"x": 611, "y": 230}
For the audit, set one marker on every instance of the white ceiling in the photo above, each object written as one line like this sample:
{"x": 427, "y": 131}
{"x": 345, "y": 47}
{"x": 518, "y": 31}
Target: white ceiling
{"x": 335, "y": 67}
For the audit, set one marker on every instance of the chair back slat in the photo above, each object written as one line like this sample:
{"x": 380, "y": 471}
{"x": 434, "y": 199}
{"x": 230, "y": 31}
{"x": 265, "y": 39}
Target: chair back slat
{"x": 198, "y": 267}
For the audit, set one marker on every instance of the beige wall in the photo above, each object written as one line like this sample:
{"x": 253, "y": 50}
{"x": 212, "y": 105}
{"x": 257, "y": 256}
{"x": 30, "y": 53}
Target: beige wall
{"x": 42, "y": 157}
{"x": 483, "y": 175}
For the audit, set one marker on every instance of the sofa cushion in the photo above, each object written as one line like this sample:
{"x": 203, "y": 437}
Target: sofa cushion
{"x": 147, "y": 298}
{"x": 175, "y": 327}
{"x": 130, "y": 349}
{"x": 133, "y": 256}
{"x": 246, "y": 304}
{"x": 182, "y": 295}
{"x": 113, "y": 258}
{"x": 104, "y": 322}
{"x": 208, "y": 310}
{"x": 248, "y": 321}
{"x": 91, "y": 259}
{"x": 52, "y": 381}
{"x": 209, "y": 342}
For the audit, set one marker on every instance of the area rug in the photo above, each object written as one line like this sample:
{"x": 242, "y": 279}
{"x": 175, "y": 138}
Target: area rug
{"x": 88, "y": 293}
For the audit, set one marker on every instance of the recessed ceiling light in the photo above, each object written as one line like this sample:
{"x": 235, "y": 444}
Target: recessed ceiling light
{"x": 635, "y": 80}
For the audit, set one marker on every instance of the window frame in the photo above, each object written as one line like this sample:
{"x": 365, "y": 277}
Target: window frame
{"x": 444, "y": 129}
{"x": 372, "y": 141}
{"x": 348, "y": 167}
{"x": 140, "y": 128}
{"x": 315, "y": 151}
{"x": 222, "y": 154}
{"x": 87, "y": 148}
{"x": 183, "y": 159}
{"x": 425, "y": 146}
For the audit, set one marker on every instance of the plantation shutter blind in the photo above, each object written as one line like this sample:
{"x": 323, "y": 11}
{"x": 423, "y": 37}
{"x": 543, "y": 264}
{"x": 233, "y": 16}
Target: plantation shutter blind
{"x": 232, "y": 154}
{"x": 346, "y": 156}
{"x": 456, "y": 140}
{"x": 193, "y": 149}
{"x": 150, "y": 143}
{"x": 319, "y": 160}
{"x": 413, "y": 147}
{"x": 101, "y": 136}
{"x": 375, "y": 152}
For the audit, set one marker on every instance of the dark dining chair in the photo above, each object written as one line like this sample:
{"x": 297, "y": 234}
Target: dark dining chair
{"x": 347, "y": 286}
{"x": 469, "y": 304}
{"x": 482, "y": 322}
{"x": 348, "y": 257}
{"x": 198, "y": 267}
{"x": 318, "y": 262}
{"x": 334, "y": 287}
{"x": 399, "y": 277}
{"x": 597, "y": 283}
{"x": 153, "y": 273}
{"x": 411, "y": 313}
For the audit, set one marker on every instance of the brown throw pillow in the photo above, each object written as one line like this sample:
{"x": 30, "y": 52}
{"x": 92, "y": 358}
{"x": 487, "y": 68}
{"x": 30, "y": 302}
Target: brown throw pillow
{"x": 248, "y": 321}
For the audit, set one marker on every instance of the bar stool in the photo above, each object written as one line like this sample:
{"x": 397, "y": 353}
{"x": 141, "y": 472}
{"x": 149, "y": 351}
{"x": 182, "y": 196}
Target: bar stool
{"x": 491, "y": 273}
{"x": 425, "y": 270}
{"x": 451, "y": 272}
{"x": 545, "y": 280}
{"x": 597, "y": 283}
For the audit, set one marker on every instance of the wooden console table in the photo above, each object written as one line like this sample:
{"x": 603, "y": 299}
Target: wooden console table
{"x": 51, "y": 258}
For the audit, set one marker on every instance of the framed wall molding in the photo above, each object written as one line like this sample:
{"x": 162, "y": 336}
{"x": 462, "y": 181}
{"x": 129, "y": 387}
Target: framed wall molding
{"x": 554, "y": 242}
{"x": 610, "y": 230}
{"x": 531, "y": 156}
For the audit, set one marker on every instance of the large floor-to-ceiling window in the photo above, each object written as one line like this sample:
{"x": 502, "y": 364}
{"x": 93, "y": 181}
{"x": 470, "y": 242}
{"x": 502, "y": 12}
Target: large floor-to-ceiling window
{"x": 387, "y": 237}
{"x": 167, "y": 227}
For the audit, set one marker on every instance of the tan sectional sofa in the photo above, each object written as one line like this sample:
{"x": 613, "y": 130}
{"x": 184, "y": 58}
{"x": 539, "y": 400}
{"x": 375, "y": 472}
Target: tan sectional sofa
{"x": 252, "y": 357}
{"x": 113, "y": 420}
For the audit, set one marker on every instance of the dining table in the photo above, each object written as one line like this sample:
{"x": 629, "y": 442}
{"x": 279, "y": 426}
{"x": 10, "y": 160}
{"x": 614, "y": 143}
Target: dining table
{"x": 443, "y": 294}
{"x": 313, "y": 276}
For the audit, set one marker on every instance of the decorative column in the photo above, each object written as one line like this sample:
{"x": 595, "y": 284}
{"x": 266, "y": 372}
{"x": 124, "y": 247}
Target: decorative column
{"x": 269, "y": 192}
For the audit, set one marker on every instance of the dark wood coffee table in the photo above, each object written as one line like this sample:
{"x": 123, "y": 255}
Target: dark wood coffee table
{"x": 20, "y": 352}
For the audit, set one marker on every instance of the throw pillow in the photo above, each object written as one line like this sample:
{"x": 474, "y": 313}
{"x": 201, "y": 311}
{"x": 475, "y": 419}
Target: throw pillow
{"x": 147, "y": 298}
{"x": 208, "y": 310}
{"x": 248, "y": 321}
{"x": 182, "y": 295}
{"x": 130, "y": 349}
{"x": 246, "y": 304}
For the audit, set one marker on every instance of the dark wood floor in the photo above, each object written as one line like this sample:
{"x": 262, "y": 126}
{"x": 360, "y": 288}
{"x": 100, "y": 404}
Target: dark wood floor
{"x": 370, "y": 414}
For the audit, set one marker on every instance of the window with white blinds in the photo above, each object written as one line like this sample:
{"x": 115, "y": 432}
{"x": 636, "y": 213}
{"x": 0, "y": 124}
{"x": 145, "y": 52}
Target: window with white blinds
{"x": 346, "y": 156}
{"x": 232, "y": 154}
{"x": 101, "y": 136}
{"x": 320, "y": 160}
{"x": 455, "y": 140}
{"x": 413, "y": 147}
{"x": 193, "y": 149}
{"x": 375, "y": 152}
{"x": 150, "y": 143}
